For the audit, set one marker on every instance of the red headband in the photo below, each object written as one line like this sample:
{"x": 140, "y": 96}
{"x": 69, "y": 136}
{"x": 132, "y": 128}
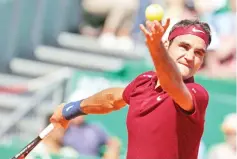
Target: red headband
{"x": 194, "y": 30}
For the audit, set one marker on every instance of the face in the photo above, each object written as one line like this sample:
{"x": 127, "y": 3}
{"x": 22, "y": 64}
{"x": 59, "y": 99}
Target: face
{"x": 188, "y": 52}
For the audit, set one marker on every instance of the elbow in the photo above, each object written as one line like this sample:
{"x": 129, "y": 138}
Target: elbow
{"x": 110, "y": 99}
{"x": 117, "y": 103}
{"x": 180, "y": 95}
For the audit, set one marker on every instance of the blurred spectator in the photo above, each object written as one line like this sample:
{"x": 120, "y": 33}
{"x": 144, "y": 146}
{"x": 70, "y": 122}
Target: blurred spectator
{"x": 225, "y": 24}
{"x": 52, "y": 145}
{"x": 179, "y": 9}
{"x": 221, "y": 16}
{"x": 224, "y": 19}
{"x": 88, "y": 139}
{"x": 204, "y": 7}
{"x": 118, "y": 21}
{"x": 140, "y": 19}
{"x": 227, "y": 149}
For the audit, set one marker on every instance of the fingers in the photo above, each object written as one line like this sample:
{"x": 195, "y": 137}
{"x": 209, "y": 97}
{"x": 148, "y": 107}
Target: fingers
{"x": 59, "y": 121}
{"x": 154, "y": 28}
{"x": 167, "y": 24}
{"x": 151, "y": 26}
{"x": 52, "y": 120}
{"x": 158, "y": 27}
{"x": 145, "y": 31}
{"x": 65, "y": 124}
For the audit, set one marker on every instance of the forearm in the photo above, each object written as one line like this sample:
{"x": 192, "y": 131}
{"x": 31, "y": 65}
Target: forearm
{"x": 110, "y": 98}
{"x": 169, "y": 76}
{"x": 103, "y": 102}
{"x": 171, "y": 80}
{"x": 167, "y": 72}
{"x": 96, "y": 105}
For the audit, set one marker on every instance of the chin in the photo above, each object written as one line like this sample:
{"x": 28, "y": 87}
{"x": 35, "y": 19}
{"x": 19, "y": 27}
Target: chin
{"x": 185, "y": 72}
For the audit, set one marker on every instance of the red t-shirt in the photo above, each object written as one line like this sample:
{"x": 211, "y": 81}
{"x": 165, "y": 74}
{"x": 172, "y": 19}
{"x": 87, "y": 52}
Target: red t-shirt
{"x": 157, "y": 127}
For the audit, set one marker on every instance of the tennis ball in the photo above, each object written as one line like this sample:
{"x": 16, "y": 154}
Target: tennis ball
{"x": 154, "y": 12}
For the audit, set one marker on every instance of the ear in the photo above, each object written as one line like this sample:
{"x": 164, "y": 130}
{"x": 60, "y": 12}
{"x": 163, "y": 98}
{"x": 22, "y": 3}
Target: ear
{"x": 166, "y": 44}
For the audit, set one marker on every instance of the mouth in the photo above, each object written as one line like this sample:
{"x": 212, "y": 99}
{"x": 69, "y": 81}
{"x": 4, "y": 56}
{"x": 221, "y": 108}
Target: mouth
{"x": 187, "y": 65}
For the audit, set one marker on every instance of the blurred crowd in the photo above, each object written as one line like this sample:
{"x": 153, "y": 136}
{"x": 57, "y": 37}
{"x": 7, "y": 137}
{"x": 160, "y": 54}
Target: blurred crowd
{"x": 84, "y": 140}
{"x": 226, "y": 149}
{"x": 81, "y": 139}
{"x": 116, "y": 25}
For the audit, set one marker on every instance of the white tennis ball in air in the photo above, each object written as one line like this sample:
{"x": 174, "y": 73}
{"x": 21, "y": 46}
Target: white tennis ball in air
{"x": 154, "y": 12}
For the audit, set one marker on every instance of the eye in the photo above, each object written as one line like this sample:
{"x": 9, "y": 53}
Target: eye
{"x": 185, "y": 47}
{"x": 199, "y": 53}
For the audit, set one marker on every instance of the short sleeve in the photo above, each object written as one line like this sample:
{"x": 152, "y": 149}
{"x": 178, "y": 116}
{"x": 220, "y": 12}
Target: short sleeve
{"x": 200, "y": 101}
{"x": 139, "y": 80}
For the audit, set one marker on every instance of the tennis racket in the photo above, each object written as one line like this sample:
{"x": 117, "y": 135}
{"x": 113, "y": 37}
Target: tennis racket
{"x": 26, "y": 150}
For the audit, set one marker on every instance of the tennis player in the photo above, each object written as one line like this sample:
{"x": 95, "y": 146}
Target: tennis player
{"x": 167, "y": 108}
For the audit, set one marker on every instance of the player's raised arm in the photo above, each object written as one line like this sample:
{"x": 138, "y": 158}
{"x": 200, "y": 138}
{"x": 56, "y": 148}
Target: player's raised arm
{"x": 167, "y": 71}
{"x": 103, "y": 102}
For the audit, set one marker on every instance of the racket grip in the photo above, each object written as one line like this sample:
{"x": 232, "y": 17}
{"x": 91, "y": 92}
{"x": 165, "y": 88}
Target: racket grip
{"x": 46, "y": 131}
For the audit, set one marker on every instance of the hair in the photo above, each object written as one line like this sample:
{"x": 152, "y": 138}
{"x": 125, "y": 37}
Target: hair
{"x": 188, "y": 22}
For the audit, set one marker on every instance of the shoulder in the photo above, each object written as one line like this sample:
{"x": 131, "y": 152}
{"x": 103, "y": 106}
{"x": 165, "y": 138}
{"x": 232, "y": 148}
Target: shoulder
{"x": 197, "y": 89}
{"x": 200, "y": 100}
{"x": 199, "y": 94}
{"x": 146, "y": 76}
{"x": 137, "y": 82}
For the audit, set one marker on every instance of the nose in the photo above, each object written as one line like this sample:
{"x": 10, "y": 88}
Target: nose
{"x": 189, "y": 56}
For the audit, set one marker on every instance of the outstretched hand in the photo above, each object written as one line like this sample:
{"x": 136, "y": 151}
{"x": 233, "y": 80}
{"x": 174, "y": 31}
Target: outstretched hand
{"x": 57, "y": 118}
{"x": 154, "y": 32}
